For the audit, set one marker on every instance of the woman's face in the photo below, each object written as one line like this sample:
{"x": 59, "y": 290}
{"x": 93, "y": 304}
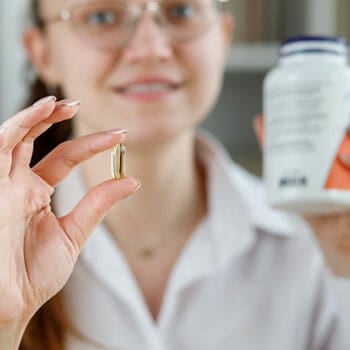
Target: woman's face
{"x": 153, "y": 87}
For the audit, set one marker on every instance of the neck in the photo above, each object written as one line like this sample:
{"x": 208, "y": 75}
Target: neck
{"x": 171, "y": 201}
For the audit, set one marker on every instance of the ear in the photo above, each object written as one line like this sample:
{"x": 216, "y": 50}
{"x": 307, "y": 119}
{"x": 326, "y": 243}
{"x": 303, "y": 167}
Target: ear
{"x": 258, "y": 125}
{"x": 38, "y": 53}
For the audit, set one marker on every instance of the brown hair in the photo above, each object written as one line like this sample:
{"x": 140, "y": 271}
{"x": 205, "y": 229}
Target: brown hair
{"x": 48, "y": 327}
{"x": 37, "y": 90}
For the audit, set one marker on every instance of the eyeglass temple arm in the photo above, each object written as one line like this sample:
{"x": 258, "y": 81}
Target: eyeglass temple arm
{"x": 65, "y": 15}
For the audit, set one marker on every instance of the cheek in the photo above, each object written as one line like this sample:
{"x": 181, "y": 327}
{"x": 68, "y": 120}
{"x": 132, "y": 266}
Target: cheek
{"x": 206, "y": 61}
{"x": 80, "y": 69}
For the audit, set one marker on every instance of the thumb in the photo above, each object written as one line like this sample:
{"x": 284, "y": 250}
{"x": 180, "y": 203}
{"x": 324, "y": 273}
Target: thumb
{"x": 89, "y": 212}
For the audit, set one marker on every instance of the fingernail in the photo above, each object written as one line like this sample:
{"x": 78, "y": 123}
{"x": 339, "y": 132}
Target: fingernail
{"x": 122, "y": 133}
{"x": 137, "y": 185}
{"x": 345, "y": 158}
{"x": 45, "y": 100}
{"x": 118, "y": 132}
{"x": 2, "y": 129}
{"x": 69, "y": 103}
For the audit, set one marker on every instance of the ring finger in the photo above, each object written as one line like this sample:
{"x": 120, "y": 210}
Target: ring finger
{"x": 22, "y": 154}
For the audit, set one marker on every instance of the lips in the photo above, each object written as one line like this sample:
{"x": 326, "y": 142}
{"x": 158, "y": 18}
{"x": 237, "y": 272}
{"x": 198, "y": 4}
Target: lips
{"x": 147, "y": 86}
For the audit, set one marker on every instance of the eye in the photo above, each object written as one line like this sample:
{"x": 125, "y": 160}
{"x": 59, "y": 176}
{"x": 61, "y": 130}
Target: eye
{"x": 100, "y": 16}
{"x": 104, "y": 17}
{"x": 181, "y": 10}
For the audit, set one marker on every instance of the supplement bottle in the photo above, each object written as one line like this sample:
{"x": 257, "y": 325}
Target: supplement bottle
{"x": 306, "y": 102}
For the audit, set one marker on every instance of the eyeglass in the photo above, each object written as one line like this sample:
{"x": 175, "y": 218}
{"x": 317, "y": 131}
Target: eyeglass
{"x": 108, "y": 25}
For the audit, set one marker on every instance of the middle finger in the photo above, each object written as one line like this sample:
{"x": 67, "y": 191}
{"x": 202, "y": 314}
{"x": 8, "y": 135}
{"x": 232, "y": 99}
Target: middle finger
{"x": 58, "y": 163}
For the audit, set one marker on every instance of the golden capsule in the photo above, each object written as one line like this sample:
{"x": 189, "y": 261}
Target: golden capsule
{"x": 118, "y": 161}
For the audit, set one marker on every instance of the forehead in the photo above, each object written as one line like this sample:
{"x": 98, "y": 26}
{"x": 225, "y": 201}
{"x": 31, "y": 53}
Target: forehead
{"x": 51, "y": 6}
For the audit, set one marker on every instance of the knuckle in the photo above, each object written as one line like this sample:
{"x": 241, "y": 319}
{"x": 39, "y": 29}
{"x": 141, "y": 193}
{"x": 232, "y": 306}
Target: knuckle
{"x": 64, "y": 153}
{"x": 39, "y": 196}
{"x": 68, "y": 161}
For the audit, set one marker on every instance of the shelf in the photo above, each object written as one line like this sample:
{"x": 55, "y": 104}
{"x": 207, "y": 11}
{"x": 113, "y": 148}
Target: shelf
{"x": 252, "y": 57}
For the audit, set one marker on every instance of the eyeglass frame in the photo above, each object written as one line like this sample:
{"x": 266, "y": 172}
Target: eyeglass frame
{"x": 150, "y": 6}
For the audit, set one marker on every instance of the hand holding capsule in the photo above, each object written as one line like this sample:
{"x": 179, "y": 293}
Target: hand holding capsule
{"x": 38, "y": 250}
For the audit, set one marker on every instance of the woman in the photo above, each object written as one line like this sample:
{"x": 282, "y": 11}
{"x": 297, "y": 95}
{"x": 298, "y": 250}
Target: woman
{"x": 193, "y": 260}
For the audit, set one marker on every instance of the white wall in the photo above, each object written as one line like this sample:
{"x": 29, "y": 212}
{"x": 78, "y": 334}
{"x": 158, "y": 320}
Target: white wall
{"x": 12, "y": 80}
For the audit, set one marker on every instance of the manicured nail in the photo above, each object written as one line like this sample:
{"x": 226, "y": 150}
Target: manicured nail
{"x": 137, "y": 186}
{"x": 45, "y": 100}
{"x": 122, "y": 133}
{"x": 345, "y": 158}
{"x": 2, "y": 129}
{"x": 69, "y": 103}
{"x": 117, "y": 131}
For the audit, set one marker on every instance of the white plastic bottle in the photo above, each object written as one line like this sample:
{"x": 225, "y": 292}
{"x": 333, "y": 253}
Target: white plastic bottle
{"x": 306, "y": 118}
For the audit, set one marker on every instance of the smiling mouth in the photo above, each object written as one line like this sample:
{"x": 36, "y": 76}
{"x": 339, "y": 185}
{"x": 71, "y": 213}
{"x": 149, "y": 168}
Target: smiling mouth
{"x": 147, "y": 88}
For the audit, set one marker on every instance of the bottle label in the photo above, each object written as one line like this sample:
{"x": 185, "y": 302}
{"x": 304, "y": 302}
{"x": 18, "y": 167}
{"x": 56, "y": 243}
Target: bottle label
{"x": 306, "y": 127}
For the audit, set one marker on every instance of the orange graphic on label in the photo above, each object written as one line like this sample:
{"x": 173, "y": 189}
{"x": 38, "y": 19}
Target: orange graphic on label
{"x": 339, "y": 175}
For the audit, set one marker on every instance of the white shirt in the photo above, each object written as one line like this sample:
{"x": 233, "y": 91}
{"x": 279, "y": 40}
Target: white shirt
{"x": 250, "y": 278}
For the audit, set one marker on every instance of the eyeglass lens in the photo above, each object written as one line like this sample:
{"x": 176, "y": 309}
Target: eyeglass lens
{"x": 109, "y": 24}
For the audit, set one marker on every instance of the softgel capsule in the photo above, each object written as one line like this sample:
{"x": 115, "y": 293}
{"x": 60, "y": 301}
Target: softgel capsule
{"x": 118, "y": 161}
{"x": 307, "y": 120}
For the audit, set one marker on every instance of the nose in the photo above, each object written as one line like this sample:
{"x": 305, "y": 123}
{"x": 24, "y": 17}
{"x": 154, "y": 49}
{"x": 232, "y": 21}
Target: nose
{"x": 148, "y": 43}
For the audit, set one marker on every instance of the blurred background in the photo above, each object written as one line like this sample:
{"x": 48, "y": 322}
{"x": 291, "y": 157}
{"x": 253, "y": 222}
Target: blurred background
{"x": 260, "y": 26}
